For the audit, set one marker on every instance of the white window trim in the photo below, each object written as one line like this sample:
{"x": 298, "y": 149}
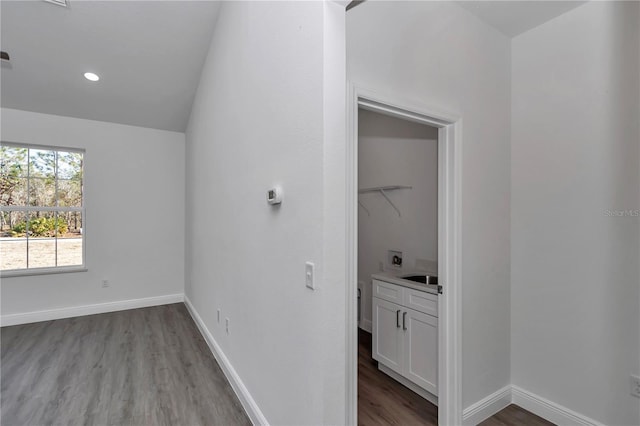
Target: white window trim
{"x": 9, "y": 273}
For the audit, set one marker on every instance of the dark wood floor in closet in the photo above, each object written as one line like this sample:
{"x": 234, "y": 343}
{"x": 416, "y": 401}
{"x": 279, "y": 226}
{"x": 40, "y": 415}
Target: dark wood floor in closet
{"x": 145, "y": 366}
{"x": 383, "y": 401}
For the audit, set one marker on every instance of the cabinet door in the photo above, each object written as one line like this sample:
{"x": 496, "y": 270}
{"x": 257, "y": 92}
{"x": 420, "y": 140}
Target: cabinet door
{"x": 421, "y": 350}
{"x": 387, "y": 334}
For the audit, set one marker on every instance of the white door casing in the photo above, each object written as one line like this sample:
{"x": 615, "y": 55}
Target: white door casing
{"x": 449, "y": 244}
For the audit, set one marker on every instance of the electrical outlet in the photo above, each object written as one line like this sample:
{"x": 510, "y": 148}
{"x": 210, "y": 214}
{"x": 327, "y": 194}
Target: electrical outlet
{"x": 635, "y": 386}
{"x": 218, "y": 316}
{"x": 105, "y": 283}
{"x": 227, "y": 325}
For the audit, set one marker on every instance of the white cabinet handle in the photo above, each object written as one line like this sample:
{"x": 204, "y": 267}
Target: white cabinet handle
{"x": 398, "y": 318}
{"x": 404, "y": 319}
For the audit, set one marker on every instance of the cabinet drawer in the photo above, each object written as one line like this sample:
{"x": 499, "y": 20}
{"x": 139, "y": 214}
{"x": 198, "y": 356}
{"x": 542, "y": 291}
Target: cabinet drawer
{"x": 387, "y": 291}
{"x": 420, "y": 301}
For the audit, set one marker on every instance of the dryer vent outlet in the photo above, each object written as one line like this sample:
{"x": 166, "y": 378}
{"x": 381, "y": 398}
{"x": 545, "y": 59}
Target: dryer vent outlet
{"x": 395, "y": 259}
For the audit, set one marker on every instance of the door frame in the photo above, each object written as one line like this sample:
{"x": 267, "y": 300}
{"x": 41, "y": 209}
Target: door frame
{"x": 449, "y": 244}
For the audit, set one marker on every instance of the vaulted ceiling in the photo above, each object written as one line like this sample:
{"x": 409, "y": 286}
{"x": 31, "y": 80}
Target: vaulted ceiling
{"x": 516, "y": 17}
{"x": 148, "y": 54}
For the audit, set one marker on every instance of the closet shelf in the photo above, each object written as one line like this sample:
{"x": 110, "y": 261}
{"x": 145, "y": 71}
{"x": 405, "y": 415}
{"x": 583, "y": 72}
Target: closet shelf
{"x": 383, "y": 191}
{"x": 383, "y": 188}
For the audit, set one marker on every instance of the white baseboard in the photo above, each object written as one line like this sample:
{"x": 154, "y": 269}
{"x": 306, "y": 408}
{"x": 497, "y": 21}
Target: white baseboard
{"x": 366, "y": 325}
{"x": 98, "y": 308}
{"x": 549, "y": 410}
{"x": 247, "y": 401}
{"x": 487, "y": 407}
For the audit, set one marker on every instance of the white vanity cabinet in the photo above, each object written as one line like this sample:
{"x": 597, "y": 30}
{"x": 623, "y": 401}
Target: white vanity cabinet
{"x": 405, "y": 333}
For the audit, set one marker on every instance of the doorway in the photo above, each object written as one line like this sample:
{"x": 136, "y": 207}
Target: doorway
{"x": 448, "y": 246}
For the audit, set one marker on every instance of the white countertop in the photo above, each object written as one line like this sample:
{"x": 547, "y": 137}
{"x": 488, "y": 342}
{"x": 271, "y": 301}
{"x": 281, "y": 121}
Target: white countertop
{"x": 392, "y": 277}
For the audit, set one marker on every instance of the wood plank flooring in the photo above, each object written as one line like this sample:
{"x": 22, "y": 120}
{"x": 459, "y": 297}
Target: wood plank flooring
{"x": 142, "y": 366}
{"x": 514, "y": 415}
{"x": 152, "y": 366}
{"x": 383, "y": 401}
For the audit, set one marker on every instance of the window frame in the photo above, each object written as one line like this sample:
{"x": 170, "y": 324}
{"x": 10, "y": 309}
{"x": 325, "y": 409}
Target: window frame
{"x": 28, "y": 209}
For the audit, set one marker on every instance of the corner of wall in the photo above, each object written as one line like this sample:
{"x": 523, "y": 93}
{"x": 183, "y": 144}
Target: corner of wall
{"x": 248, "y": 403}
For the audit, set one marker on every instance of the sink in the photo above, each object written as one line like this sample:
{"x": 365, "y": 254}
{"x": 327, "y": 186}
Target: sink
{"x": 423, "y": 279}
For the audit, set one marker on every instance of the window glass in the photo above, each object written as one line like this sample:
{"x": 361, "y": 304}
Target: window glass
{"x": 41, "y": 208}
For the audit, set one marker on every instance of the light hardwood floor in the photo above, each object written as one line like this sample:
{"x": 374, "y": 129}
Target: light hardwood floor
{"x": 137, "y": 367}
{"x": 383, "y": 401}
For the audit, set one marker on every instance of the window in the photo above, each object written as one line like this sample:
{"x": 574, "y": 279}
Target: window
{"x": 41, "y": 209}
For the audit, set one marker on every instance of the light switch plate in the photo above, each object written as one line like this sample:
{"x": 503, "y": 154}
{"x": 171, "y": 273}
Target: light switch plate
{"x": 635, "y": 386}
{"x": 309, "y": 275}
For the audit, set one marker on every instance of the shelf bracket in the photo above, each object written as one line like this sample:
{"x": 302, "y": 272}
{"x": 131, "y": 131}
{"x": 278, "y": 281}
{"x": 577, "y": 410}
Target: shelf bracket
{"x": 383, "y": 191}
{"x": 386, "y": 197}
{"x": 364, "y": 208}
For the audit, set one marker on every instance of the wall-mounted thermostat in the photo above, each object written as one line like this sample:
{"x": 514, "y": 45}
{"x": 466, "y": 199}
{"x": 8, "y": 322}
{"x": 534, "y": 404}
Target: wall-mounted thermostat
{"x": 274, "y": 195}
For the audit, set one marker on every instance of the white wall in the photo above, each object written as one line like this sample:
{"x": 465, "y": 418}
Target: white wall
{"x": 130, "y": 171}
{"x": 395, "y": 152}
{"x": 267, "y": 102}
{"x": 438, "y": 54}
{"x": 575, "y": 295}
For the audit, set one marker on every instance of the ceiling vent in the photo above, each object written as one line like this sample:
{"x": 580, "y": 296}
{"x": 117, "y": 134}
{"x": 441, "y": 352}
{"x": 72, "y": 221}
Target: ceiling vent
{"x": 62, "y": 3}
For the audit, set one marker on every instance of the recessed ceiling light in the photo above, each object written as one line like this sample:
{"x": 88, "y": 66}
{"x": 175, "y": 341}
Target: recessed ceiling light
{"x": 91, "y": 76}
